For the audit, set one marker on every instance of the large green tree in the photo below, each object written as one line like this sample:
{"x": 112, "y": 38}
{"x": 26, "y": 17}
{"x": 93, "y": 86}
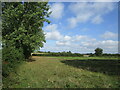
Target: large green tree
{"x": 98, "y": 51}
{"x": 22, "y": 25}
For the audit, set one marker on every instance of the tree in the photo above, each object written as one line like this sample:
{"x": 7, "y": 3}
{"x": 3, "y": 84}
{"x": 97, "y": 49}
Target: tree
{"x": 98, "y": 51}
{"x": 48, "y": 51}
{"x": 22, "y": 25}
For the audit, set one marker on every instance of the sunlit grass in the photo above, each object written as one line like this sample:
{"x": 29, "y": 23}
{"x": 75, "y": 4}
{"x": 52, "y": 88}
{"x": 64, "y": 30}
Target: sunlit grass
{"x": 61, "y": 72}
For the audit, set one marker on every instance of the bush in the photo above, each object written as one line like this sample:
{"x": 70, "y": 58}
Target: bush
{"x": 11, "y": 58}
{"x": 67, "y": 54}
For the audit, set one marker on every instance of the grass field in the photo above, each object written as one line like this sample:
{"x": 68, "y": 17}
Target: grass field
{"x": 66, "y": 72}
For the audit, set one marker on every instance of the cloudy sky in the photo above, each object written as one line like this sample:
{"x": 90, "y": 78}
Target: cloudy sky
{"x": 81, "y": 27}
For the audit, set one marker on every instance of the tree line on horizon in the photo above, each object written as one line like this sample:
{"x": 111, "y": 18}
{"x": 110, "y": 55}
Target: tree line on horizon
{"x": 98, "y": 52}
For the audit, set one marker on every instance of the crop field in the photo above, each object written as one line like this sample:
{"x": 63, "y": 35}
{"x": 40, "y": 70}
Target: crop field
{"x": 66, "y": 72}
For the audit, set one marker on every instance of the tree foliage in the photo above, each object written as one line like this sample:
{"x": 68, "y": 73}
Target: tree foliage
{"x": 21, "y": 31}
{"x": 22, "y": 25}
{"x": 98, "y": 51}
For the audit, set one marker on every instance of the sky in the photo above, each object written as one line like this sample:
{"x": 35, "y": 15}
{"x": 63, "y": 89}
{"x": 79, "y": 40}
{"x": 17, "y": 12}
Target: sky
{"x": 81, "y": 27}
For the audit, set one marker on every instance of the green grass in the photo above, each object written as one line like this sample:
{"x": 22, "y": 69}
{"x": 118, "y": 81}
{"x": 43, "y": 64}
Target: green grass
{"x": 82, "y": 58}
{"x": 66, "y": 72}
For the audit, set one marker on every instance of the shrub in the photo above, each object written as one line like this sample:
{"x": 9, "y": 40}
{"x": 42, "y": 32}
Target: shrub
{"x": 11, "y": 58}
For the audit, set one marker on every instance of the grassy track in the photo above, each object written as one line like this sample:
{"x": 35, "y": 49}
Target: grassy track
{"x": 67, "y": 72}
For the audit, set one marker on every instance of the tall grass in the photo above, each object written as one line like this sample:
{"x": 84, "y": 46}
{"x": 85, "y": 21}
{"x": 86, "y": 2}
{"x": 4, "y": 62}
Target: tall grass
{"x": 67, "y": 72}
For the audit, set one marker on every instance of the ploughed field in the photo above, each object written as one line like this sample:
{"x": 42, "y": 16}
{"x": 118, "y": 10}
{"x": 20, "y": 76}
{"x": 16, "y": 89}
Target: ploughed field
{"x": 66, "y": 72}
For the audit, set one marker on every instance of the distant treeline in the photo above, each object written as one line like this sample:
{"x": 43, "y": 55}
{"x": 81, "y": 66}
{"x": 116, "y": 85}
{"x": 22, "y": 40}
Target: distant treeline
{"x": 104, "y": 55}
{"x": 58, "y": 54}
{"x": 69, "y": 53}
{"x": 111, "y": 55}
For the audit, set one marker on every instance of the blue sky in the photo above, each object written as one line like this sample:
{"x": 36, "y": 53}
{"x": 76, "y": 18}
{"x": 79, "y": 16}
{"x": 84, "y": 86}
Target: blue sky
{"x": 81, "y": 27}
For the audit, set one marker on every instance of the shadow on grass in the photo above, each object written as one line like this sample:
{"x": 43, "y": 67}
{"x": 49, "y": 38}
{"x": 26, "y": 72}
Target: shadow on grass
{"x": 109, "y": 67}
{"x": 30, "y": 60}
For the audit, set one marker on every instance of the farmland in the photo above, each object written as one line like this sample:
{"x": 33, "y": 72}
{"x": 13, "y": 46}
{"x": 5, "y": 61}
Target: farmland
{"x": 66, "y": 72}
{"x": 53, "y": 45}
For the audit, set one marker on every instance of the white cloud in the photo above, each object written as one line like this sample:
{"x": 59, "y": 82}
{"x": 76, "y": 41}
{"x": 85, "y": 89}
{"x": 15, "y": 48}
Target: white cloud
{"x": 63, "y": 43}
{"x": 52, "y": 27}
{"x": 72, "y": 22}
{"x": 109, "y": 35}
{"x": 52, "y": 32}
{"x": 73, "y": 40}
{"x": 57, "y": 10}
{"x": 93, "y": 12}
{"x": 108, "y": 46}
{"x": 54, "y": 35}
{"x": 78, "y": 43}
{"x": 109, "y": 43}
{"x": 97, "y": 20}
{"x": 82, "y": 43}
{"x": 79, "y": 38}
{"x": 67, "y": 38}
{"x": 103, "y": 44}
